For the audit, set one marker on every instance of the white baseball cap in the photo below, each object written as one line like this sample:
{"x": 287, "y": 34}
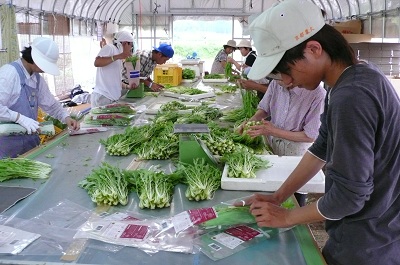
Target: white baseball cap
{"x": 45, "y": 55}
{"x": 280, "y": 28}
{"x": 124, "y": 36}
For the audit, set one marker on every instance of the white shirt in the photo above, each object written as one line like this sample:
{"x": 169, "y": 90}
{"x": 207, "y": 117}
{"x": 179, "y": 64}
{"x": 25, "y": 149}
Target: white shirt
{"x": 10, "y": 89}
{"x": 108, "y": 78}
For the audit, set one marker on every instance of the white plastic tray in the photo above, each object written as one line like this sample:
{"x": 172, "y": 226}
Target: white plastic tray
{"x": 189, "y": 97}
{"x": 272, "y": 178}
{"x": 153, "y": 110}
{"x": 222, "y": 80}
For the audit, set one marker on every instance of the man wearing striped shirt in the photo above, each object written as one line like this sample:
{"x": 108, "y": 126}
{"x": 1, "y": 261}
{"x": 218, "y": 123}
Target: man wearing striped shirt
{"x": 294, "y": 115}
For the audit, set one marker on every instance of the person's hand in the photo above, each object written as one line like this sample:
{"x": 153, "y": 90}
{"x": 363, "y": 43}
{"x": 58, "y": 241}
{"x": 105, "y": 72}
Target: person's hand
{"x": 72, "y": 124}
{"x": 247, "y": 84}
{"x": 241, "y": 127}
{"x": 268, "y": 214}
{"x": 156, "y": 87}
{"x": 29, "y": 124}
{"x": 133, "y": 86}
{"x": 267, "y": 128}
{"x": 230, "y": 60}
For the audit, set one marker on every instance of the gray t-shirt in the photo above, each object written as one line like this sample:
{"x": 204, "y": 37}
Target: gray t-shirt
{"x": 359, "y": 139}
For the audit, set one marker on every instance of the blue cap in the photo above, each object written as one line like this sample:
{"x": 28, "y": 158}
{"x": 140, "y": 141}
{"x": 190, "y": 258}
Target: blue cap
{"x": 165, "y": 49}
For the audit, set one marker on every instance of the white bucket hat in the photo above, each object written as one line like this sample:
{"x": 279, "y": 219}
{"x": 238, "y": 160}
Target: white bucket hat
{"x": 124, "y": 36}
{"x": 280, "y": 28}
{"x": 231, "y": 43}
{"x": 45, "y": 55}
{"x": 244, "y": 44}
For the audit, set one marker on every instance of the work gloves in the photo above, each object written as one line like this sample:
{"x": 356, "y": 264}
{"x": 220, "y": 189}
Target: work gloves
{"x": 29, "y": 124}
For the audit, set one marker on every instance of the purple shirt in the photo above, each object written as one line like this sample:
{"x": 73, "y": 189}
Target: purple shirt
{"x": 295, "y": 110}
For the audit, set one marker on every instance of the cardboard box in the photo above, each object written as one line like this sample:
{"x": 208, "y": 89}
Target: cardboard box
{"x": 348, "y": 27}
{"x": 356, "y": 38}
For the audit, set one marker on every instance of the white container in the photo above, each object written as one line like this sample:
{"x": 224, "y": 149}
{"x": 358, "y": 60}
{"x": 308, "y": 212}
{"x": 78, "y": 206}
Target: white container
{"x": 272, "y": 178}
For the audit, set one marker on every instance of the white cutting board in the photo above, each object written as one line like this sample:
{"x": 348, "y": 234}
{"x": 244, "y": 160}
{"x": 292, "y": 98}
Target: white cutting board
{"x": 271, "y": 179}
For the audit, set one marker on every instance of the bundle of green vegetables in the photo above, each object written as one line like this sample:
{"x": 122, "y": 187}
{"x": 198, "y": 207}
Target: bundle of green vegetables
{"x": 209, "y": 113}
{"x": 154, "y": 188}
{"x": 108, "y": 119}
{"x": 227, "y": 88}
{"x": 202, "y": 178}
{"x": 228, "y": 70}
{"x": 214, "y": 76}
{"x": 188, "y": 73}
{"x": 228, "y": 215}
{"x": 161, "y": 147}
{"x": 249, "y": 107}
{"x": 185, "y": 90}
{"x": 244, "y": 164}
{"x": 12, "y": 168}
{"x": 106, "y": 185}
{"x": 113, "y": 108}
{"x": 218, "y": 145}
{"x": 134, "y": 138}
{"x": 173, "y": 106}
{"x": 132, "y": 59}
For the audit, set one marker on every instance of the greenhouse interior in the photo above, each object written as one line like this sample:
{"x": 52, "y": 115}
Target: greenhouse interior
{"x": 199, "y": 132}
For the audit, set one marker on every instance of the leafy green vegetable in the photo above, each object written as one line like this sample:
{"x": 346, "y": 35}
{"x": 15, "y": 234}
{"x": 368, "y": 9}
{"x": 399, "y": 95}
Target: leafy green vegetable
{"x": 188, "y": 73}
{"x": 11, "y": 168}
{"x": 244, "y": 164}
{"x": 154, "y": 188}
{"x": 113, "y": 108}
{"x": 132, "y": 59}
{"x": 106, "y": 185}
{"x": 202, "y": 179}
{"x": 230, "y": 215}
{"x": 214, "y": 76}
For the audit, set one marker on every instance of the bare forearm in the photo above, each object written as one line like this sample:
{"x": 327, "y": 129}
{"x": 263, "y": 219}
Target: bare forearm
{"x": 304, "y": 215}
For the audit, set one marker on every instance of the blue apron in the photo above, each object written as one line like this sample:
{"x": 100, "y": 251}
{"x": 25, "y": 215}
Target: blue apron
{"x": 27, "y": 105}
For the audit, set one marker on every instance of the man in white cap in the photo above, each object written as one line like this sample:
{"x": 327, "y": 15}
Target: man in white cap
{"x": 358, "y": 141}
{"x": 23, "y": 91}
{"x": 109, "y": 85}
{"x": 220, "y": 60}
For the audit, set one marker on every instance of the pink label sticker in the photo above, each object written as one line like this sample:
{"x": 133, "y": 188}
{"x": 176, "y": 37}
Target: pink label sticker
{"x": 201, "y": 215}
{"x": 243, "y": 232}
{"x": 135, "y": 231}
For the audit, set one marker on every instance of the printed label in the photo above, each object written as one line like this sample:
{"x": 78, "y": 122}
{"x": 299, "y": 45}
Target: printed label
{"x": 228, "y": 240}
{"x": 243, "y": 232}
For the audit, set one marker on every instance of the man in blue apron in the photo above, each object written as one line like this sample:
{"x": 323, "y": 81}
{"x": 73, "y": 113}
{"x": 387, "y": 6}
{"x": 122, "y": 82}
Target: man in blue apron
{"x": 23, "y": 90}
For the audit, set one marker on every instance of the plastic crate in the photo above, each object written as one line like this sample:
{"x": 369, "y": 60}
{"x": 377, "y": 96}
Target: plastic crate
{"x": 168, "y": 74}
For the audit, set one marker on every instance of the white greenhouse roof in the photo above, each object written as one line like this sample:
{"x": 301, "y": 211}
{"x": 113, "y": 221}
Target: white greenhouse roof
{"x": 122, "y": 11}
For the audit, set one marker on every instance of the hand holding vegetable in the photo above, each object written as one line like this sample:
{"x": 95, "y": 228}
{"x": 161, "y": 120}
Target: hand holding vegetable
{"x": 266, "y": 128}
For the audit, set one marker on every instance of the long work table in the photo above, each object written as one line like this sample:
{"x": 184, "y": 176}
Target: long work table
{"x": 73, "y": 158}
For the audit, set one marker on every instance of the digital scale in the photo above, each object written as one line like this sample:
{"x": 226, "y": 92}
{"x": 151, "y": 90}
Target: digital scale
{"x": 190, "y": 146}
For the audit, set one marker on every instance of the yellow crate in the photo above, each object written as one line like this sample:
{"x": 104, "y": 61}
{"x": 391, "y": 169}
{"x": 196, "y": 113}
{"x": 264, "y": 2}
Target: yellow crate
{"x": 168, "y": 74}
